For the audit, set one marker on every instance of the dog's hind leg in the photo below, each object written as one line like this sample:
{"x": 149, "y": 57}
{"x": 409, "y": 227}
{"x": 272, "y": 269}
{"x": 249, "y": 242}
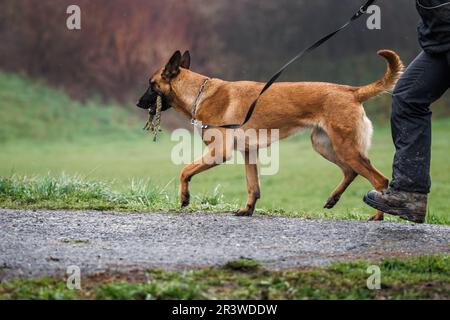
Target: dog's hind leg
{"x": 253, "y": 188}
{"x": 322, "y": 144}
{"x": 349, "y": 149}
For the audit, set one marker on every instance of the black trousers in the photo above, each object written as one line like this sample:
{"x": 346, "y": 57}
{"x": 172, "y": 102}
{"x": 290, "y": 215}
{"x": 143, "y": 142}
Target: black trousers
{"x": 425, "y": 80}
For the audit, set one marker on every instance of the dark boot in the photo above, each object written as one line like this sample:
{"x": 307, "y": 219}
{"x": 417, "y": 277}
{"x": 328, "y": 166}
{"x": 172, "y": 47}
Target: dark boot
{"x": 407, "y": 205}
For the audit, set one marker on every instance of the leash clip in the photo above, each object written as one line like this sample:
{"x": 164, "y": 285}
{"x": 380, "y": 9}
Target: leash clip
{"x": 199, "y": 125}
{"x": 362, "y": 11}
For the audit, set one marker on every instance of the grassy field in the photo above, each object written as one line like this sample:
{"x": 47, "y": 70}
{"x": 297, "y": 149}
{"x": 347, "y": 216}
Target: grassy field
{"x": 44, "y": 134}
{"x": 53, "y": 142}
{"x": 418, "y": 278}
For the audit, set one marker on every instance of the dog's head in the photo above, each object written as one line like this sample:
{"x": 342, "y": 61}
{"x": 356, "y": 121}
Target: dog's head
{"x": 160, "y": 82}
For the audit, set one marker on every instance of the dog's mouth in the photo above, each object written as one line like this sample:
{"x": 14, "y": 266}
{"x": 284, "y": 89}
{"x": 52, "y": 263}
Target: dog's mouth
{"x": 148, "y": 101}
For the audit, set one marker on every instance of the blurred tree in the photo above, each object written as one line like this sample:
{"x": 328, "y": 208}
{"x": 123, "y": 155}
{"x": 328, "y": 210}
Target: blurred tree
{"x": 119, "y": 44}
{"x": 123, "y": 41}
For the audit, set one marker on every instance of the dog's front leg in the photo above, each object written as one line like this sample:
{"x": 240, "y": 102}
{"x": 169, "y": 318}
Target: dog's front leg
{"x": 253, "y": 188}
{"x": 211, "y": 159}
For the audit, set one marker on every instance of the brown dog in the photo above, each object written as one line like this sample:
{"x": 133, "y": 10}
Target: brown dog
{"x": 341, "y": 132}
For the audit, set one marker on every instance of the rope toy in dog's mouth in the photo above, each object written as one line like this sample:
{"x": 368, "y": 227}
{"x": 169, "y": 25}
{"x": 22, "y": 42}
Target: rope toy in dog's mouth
{"x": 154, "y": 121}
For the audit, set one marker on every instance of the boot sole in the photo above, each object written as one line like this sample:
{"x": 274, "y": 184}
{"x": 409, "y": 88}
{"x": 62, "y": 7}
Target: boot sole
{"x": 403, "y": 213}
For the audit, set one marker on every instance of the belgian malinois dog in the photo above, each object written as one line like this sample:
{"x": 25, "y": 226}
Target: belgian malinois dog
{"x": 341, "y": 131}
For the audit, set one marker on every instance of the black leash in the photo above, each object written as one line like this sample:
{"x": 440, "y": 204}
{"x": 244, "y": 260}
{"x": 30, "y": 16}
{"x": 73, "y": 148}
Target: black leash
{"x": 275, "y": 77}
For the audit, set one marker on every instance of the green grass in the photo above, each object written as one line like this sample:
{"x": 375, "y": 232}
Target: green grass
{"x": 74, "y": 192}
{"x": 29, "y": 109}
{"x": 54, "y": 141}
{"x": 243, "y": 264}
{"x": 416, "y": 278}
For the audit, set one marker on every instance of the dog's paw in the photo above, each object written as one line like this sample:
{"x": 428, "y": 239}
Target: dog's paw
{"x": 246, "y": 212}
{"x": 377, "y": 217}
{"x": 331, "y": 202}
{"x": 185, "y": 200}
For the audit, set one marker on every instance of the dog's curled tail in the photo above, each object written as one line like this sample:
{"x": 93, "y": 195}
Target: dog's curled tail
{"x": 387, "y": 83}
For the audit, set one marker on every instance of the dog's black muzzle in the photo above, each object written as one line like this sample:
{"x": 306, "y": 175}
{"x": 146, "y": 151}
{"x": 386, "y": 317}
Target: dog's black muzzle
{"x": 148, "y": 101}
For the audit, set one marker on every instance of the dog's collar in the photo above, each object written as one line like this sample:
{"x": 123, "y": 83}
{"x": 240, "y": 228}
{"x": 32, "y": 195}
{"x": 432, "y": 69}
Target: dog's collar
{"x": 197, "y": 102}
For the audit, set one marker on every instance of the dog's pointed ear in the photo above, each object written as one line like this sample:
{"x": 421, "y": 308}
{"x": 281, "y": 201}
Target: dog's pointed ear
{"x": 186, "y": 60}
{"x": 173, "y": 66}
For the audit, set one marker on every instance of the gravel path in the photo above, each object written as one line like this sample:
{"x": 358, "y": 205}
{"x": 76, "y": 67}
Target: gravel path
{"x": 36, "y": 243}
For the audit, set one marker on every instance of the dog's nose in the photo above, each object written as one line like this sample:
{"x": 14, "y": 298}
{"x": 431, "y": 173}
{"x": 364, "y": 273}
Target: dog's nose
{"x": 142, "y": 105}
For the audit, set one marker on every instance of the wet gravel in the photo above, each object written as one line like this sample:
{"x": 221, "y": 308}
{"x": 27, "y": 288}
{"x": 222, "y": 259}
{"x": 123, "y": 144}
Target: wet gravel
{"x": 37, "y": 243}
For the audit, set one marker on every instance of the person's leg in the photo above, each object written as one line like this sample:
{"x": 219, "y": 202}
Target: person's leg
{"x": 424, "y": 81}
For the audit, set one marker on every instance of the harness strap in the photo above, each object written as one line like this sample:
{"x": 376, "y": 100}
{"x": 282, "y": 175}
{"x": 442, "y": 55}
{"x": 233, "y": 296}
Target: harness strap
{"x": 275, "y": 77}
